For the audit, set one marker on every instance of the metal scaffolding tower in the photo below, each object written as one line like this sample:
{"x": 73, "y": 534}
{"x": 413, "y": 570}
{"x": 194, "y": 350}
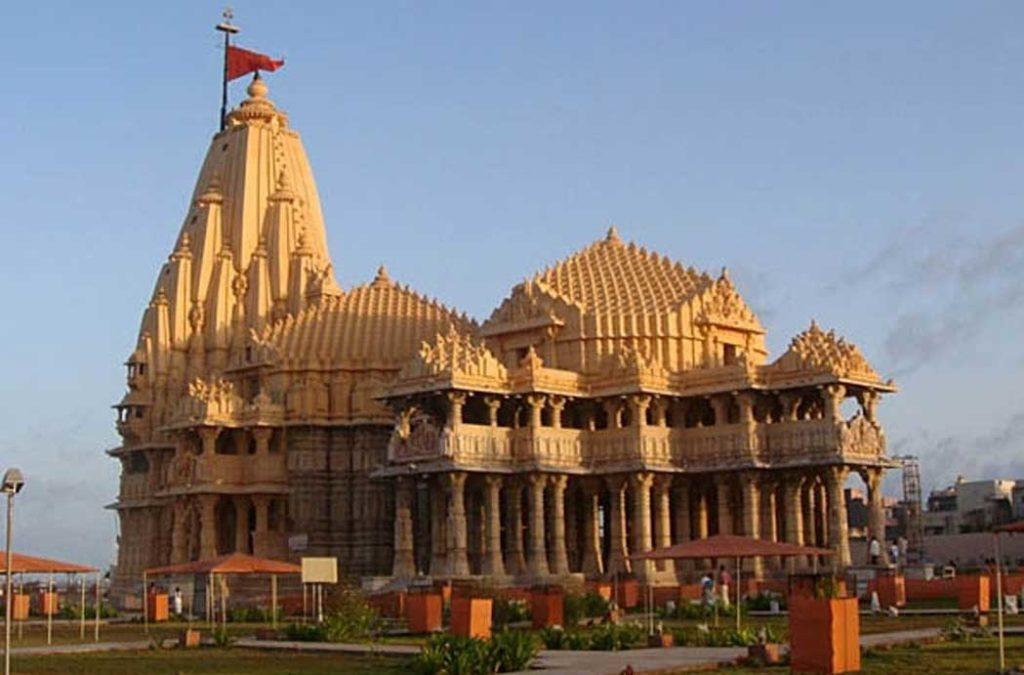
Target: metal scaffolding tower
{"x": 912, "y": 505}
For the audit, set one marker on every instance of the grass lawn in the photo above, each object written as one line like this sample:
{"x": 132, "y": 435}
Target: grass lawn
{"x": 34, "y": 635}
{"x": 207, "y": 660}
{"x": 978, "y": 656}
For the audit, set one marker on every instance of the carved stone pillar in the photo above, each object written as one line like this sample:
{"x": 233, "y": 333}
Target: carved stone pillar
{"x": 572, "y": 533}
{"x": 536, "y": 403}
{"x": 613, "y": 410}
{"x": 876, "y": 509}
{"x": 493, "y": 406}
{"x": 792, "y": 489}
{"x": 438, "y": 528}
{"x": 557, "y": 405}
{"x": 618, "y": 554}
{"x": 720, "y": 405}
{"x": 745, "y": 403}
{"x": 493, "y": 565}
{"x": 833, "y": 396}
{"x": 241, "y": 524}
{"x": 458, "y": 558}
{"x": 769, "y": 517}
{"x": 262, "y": 437}
{"x": 207, "y": 526}
{"x": 456, "y": 399}
{"x": 516, "y": 561}
{"x": 790, "y": 406}
{"x": 592, "y": 564}
{"x": 404, "y": 563}
{"x": 208, "y": 436}
{"x": 536, "y": 551}
{"x": 663, "y": 520}
{"x": 810, "y": 504}
{"x": 822, "y": 502}
{"x": 752, "y": 516}
{"x": 659, "y": 408}
{"x": 681, "y": 513}
{"x": 839, "y": 540}
{"x": 642, "y": 539}
{"x": 640, "y": 404}
{"x": 559, "y": 556}
{"x": 724, "y": 505}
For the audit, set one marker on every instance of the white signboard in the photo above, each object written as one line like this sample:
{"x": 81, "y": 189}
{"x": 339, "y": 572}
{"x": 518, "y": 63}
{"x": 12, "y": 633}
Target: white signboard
{"x": 319, "y": 570}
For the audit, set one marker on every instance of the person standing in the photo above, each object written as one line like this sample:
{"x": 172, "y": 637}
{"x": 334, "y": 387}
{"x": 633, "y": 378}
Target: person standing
{"x": 875, "y": 551}
{"x": 724, "y": 583}
{"x": 177, "y": 601}
{"x": 707, "y": 589}
{"x": 894, "y": 554}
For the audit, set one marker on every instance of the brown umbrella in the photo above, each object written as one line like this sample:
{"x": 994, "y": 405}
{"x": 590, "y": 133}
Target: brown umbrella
{"x": 232, "y": 563}
{"x": 30, "y": 564}
{"x": 730, "y": 546}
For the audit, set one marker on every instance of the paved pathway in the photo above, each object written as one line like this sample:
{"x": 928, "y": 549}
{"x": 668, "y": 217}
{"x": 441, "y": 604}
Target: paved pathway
{"x": 338, "y": 647}
{"x": 83, "y": 647}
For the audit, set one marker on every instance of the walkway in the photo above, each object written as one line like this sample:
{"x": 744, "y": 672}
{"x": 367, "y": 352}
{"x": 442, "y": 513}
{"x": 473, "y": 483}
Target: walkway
{"x": 550, "y": 662}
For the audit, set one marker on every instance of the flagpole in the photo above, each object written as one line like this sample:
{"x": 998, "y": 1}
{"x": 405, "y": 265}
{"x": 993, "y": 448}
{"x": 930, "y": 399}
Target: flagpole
{"x": 228, "y": 29}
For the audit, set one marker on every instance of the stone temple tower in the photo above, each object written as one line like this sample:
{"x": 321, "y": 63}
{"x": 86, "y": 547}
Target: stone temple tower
{"x": 252, "y": 250}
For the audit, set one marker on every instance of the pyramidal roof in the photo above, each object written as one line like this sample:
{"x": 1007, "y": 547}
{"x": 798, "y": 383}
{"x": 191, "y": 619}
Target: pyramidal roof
{"x": 380, "y": 323}
{"x": 613, "y": 277}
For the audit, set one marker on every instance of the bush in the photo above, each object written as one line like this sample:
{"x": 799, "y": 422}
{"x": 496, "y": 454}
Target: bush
{"x": 507, "y": 651}
{"x": 251, "y": 615}
{"x": 504, "y": 612}
{"x": 704, "y": 636}
{"x": 579, "y": 607}
{"x": 610, "y": 637}
{"x": 690, "y": 611}
{"x": 762, "y": 602}
{"x": 351, "y": 618}
{"x": 306, "y": 632}
{"x": 75, "y": 612}
{"x": 553, "y": 637}
{"x": 513, "y": 650}
{"x": 221, "y": 638}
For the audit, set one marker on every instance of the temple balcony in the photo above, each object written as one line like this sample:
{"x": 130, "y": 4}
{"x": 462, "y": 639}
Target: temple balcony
{"x": 704, "y": 448}
{"x": 855, "y": 440}
{"x": 191, "y": 470}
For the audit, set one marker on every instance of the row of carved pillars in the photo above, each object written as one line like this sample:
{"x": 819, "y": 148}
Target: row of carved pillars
{"x": 208, "y": 525}
{"x": 540, "y": 525}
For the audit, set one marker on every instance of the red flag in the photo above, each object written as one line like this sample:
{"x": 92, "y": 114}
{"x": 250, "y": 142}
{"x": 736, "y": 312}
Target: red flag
{"x": 242, "y": 61}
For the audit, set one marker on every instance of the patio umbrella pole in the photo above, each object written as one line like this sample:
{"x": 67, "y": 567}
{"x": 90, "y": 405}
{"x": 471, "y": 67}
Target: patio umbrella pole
{"x": 999, "y": 605}
{"x": 96, "y": 627}
{"x": 145, "y": 602}
{"x": 273, "y": 601}
{"x": 739, "y": 584}
{"x": 81, "y": 610}
{"x": 49, "y": 610}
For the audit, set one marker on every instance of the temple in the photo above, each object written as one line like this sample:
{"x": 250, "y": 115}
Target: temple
{"x": 614, "y": 402}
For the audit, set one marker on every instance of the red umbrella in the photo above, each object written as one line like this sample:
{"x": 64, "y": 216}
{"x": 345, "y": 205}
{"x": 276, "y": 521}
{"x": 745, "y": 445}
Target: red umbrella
{"x": 28, "y": 564}
{"x": 233, "y": 563}
{"x": 730, "y": 546}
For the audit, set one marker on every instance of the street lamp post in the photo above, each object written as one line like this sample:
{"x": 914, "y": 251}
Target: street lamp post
{"x": 12, "y": 484}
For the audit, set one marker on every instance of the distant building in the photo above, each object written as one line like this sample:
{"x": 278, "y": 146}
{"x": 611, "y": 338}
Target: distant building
{"x": 973, "y": 506}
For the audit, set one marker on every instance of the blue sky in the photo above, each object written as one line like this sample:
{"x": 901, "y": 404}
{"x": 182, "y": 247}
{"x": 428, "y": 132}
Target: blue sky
{"x": 855, "y": 162}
